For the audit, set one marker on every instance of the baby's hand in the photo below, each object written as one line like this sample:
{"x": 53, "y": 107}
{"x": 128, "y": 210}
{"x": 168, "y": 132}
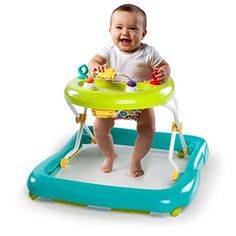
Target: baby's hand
{"x": 161, "y": 74}
{"x": 99, "y": 68}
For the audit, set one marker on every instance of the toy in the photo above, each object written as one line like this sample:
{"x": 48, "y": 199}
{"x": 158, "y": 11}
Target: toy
{"x": 154, "y": 77}
{"x": 131, "y": 86}
{"x": 108, "y": 74}
{"x": 104, "y": 102}
{"x": 83, "y": 71}
{"x": 89, "y": 83}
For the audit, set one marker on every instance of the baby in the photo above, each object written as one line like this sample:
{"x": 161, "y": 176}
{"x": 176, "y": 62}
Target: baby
{"x": 128, "y": 55}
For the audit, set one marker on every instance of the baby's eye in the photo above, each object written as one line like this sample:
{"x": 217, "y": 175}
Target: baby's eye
{"x": 118, "y": 27}
{"x": 133, "y": 28}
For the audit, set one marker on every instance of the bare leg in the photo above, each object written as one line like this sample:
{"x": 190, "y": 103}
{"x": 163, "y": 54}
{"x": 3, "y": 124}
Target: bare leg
{"x": 102, "y": 127}
{"x": 146, "y": 131}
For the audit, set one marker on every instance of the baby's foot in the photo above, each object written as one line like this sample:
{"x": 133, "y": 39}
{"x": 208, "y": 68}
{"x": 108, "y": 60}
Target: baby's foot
{"x": 108, "y": 164}
{"x": 136, "y": 169}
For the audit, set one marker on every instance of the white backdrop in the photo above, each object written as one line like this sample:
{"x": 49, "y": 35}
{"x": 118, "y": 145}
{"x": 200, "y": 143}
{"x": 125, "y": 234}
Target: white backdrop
{"x": 41, "y": 45}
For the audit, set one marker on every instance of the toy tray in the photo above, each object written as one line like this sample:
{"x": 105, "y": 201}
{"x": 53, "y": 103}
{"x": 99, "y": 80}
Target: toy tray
{"x": 112, "y": 95}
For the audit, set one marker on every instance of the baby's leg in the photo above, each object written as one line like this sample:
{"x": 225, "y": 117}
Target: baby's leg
{"x": 102, "y": 127}
{"x": 146, "y": 131}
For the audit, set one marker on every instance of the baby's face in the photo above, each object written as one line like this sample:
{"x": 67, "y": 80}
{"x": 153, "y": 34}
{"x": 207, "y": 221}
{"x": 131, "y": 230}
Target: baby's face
{"x": 127, "y": 30}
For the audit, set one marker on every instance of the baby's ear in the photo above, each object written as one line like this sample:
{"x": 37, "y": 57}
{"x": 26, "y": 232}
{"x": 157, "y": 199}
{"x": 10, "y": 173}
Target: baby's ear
{"x": 144, "y": 33}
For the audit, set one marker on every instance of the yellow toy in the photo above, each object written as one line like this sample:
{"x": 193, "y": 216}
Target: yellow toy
{"x": 108, "y": 74}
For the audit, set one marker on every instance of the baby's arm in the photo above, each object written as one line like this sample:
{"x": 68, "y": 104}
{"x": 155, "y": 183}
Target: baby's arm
{"x": 97, "y": 63}
{"x": 163, "y": 71}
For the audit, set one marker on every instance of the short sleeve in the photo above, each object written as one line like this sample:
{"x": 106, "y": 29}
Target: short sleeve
{"x": 154, "y": 57}
{"x": 105, "y": 51}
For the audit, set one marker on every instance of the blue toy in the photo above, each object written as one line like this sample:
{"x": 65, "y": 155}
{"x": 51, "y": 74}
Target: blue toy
{"x": 43, "y": 181}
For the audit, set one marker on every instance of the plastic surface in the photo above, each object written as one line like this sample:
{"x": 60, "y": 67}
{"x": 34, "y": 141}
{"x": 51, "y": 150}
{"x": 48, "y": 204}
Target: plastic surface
{"x": 42, "y": 181}
{"x": 112, "y": 95}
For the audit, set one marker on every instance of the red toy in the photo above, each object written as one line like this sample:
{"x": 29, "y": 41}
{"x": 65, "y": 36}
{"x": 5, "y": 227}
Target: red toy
{"x": 154, "y": 77}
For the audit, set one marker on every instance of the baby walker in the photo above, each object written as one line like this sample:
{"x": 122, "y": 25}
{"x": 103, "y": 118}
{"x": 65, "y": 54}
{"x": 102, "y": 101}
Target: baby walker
{"x": 105, "y": 95}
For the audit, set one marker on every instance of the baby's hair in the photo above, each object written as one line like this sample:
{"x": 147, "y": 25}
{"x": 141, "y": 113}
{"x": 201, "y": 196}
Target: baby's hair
{"x": 132, "y": 8}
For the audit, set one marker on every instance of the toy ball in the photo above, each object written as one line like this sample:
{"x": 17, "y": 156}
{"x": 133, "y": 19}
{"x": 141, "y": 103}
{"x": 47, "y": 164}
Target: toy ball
{"x": 131, "y": 83}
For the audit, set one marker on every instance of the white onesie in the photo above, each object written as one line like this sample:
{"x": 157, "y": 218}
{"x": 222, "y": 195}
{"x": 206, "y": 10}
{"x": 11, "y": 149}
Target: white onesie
{"x": 138, "y": 65}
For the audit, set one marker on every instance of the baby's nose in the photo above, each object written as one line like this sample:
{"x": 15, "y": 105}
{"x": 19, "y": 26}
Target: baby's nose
{"x": 125, "y": 31}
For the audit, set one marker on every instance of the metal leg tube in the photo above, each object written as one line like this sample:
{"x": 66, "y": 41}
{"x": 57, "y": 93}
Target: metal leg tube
{"x": 73, "y": 109}
{"x": 89, "y": 133}
{"x": 176, "y": 127}
{"x": 182, "y": 140}
{"x": 80, "y": 118}
{"x": 171, "y": 151}
{"x": 77, "y": 143}
{"x": 64, "y": 162}
{"x": 177, "y": 122}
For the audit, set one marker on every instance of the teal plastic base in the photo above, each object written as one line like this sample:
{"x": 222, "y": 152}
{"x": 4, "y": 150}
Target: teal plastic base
{"x": 42, "y": 181}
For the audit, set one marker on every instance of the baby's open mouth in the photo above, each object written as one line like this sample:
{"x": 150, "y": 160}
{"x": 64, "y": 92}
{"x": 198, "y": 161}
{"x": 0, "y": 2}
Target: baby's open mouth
{"x": 125, "y": 41}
